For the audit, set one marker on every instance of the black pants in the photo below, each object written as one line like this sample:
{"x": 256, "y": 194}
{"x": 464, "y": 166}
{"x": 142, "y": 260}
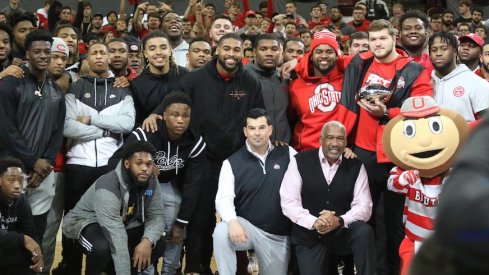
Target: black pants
{"x": 387, "y": 210}
{"x": 78, "y": 179}
{"x": 96, "y": 247}
{"x": 358, "y": 239}
{"x": 201, "y": 226}
{"x": 40, "y": 221}
{"x": 15, "y": 260}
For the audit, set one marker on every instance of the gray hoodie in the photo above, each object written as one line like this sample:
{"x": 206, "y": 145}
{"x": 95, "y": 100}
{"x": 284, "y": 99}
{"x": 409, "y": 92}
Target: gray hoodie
{"x": 462, "y": 91}
{"x": 103, "y": 203}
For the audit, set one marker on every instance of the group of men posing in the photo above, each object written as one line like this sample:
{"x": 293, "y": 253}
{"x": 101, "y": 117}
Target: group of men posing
{"x": 213, "y": 138}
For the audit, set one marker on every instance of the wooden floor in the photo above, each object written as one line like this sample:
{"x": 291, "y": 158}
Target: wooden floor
{"x": 57, "y": 257}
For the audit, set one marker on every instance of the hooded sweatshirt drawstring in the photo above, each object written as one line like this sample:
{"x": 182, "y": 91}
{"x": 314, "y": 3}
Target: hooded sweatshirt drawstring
{"x": 169, "y": 157}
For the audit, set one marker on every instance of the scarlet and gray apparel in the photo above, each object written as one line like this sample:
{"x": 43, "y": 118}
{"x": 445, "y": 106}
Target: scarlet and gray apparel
{"x": 32, "y": 123}
{"x": 421, "y": 203}
{"x": 313, "y": 101}
{"x": 180, "y": 162}
{"x": 403, "y": 76}
{"x": 15, "y": 221}
{"x": 276, "y": 99}
{"x": 220, "y": 105}
{"x": 462, "y": 91}
{"x": 118, "y": 204}
{"x": 110, "y": 109}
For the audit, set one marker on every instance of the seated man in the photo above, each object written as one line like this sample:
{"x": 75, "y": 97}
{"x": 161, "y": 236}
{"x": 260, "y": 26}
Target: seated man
{"x": 121, "y": 215}
{"x": 248, "y": 201}
{"x": 327, "y": 198}
{"x": 19, "y": 249}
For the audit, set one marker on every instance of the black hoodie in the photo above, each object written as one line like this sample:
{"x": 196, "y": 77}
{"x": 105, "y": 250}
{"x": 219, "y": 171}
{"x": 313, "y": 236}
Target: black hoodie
{"x": 148, "y": 90}
{"x": 179, "y": 162}
{"x": 220, "y": 106}
{"x": 15, "y": 221}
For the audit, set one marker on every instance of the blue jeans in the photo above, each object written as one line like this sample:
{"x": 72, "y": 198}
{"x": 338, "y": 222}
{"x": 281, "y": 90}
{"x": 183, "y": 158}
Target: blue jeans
{"x": 171, "y": 202}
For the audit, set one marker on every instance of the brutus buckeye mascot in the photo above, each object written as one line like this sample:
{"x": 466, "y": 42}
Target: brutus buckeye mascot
{"x": 422, "y": 142}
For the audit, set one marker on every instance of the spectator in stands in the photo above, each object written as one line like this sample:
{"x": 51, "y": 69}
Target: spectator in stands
{"x": 134, "y": 55}
{"x": 172, "y": 27}
{"x": 447, "y": 17}
{"x": 397, "y": 10}
{"x": 470, "y": 50}
{"x": 22, "y": 24}
{"x": 359, "y": 22}
{"x": 477, "y": 15}
{"x": 293, "y": 48}
{"x": 111, "y": 19}
{"x": 464, "y": 28}
{"x": 70, "y": 36}
{"x": 118, "y": 56}
{"x": 290, "y": 30}
{"x": 436, "y": 23}
{"x": 358, "y": 43}
{"x": 13, "y": 7}
{"x": 83, "y": 18}
{"x": 464, "y": 8}
{"x": 221, "y": 26}
{"x": 338, "y": 27}
{"x": 42, "y": 14}
{"x": 306, "y": 37}
{"x": 374, "y": 9}
{"x": 317, "y": 22}
{"x": 199, "y": 53}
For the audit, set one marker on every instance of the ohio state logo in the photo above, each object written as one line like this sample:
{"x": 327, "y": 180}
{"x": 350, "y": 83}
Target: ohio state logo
{"x": 458, "y": 91}
{"x": 325, "y": 98}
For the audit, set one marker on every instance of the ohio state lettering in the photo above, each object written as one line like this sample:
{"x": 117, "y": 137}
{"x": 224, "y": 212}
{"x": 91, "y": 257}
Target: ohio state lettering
{"x": 325, "y": 98}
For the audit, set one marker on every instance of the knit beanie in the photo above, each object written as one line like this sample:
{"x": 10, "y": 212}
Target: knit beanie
{"x": 325, "y": 37}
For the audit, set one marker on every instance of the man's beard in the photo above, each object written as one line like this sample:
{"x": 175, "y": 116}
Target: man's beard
{"x": 443, "y": 68}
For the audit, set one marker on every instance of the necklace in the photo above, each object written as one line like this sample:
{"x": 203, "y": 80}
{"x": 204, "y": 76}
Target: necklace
{"x": 38, "y": 92}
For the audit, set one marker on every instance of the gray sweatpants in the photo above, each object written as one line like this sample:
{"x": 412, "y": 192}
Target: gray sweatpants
{"x": 53, "y": 222}
{"x": 272, "y": 251}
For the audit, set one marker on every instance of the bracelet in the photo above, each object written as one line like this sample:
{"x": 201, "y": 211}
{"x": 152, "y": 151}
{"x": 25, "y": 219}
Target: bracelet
{"x": 150, "y": 240}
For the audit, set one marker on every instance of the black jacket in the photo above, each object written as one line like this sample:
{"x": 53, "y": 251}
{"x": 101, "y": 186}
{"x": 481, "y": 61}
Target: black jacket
{"x": 219, "y": 107}
{"x": 180, "y": 162}
{"x": 32, "y": 125}
{"x": 148, "y": 90}
{"x": 15, "y": 221}
{"x": 275, "y": 91}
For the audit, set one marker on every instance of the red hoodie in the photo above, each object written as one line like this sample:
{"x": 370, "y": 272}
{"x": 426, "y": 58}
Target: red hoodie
{"x": 313, "y": 101}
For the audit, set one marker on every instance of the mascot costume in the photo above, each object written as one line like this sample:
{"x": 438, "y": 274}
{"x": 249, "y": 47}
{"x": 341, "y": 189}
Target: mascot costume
{"x": 422, "y": 142}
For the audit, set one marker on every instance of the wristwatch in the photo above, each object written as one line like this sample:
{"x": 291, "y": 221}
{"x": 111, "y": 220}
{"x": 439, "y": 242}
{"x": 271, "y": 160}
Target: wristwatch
{"x": 342, "y": 222}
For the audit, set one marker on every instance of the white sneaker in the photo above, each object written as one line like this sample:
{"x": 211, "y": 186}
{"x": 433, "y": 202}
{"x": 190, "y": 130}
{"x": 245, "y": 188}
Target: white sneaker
{"x": 253, "y": 263}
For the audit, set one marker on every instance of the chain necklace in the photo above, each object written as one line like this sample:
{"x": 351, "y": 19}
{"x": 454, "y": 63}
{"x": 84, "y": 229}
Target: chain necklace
{"x": 38, "y": 92}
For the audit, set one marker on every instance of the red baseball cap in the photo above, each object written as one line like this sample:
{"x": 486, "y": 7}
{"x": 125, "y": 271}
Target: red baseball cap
{"x": 250, "y": 12}
{"x": 472, "y": 37}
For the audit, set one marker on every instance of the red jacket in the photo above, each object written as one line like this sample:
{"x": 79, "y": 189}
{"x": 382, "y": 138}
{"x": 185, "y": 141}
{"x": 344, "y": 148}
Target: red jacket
{"x": 412, "y": 80}
{"x": 313, "y": 101}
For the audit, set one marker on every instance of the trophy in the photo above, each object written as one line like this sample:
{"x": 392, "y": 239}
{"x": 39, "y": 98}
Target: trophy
{"x": 371, "y": 92}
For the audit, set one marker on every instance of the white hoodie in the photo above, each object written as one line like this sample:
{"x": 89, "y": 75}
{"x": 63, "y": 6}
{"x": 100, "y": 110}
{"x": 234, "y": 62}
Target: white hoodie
{"x": 462, "y": 91}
